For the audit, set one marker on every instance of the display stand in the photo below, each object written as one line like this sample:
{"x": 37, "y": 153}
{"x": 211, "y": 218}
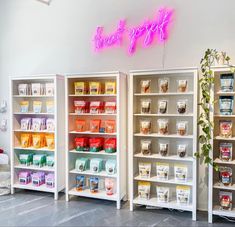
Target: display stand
{"x": 71, "y": 133}
{"x": 56, "y": 97}
{"x": 172, "y": 138}
{"x": 215, "y": 186}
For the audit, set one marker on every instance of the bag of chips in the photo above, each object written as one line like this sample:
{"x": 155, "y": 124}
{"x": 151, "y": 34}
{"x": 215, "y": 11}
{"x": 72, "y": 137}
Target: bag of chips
{"x": 81, "y": 107}
{"x": 81, "y": 144}
{"x": 144, "y": 190}
{"x": 145, "y": 169}
{"x": 38, "y": 140}
{"x": 95, "y": 88}
{"x": 110, "y": 145}
{"x": 96, "y": 107}
{"x": 110, "y": 107}
{"x": 80, "y": 88}
{"x": 94, "y": 184}
{"x": 80, "y": 125}
{"x": 37, "y": 106}
{"x": 24, "y": 106}
{"x": 110, "y": 126}
{"x": 110, "y": 167}
{"x": 81, "y": 164}
{"x": 26, "y": 140}
{"x": 110, "y": 87}
{"x": 162, "y": 170}
{"x": 183, "y": 194}
{"x": 50, "y": 141}
{"x": 96, "y": 144}
{"x": 95, "y": 125}
{"x": 80, "y": 183}
{"x": 163, "y": 194}
{"x": 50, "y": 106}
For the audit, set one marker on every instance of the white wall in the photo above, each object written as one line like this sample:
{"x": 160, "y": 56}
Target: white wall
{"x": 35, "y": 38}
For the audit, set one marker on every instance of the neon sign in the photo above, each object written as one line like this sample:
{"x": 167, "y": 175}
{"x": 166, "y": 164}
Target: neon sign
{"x": 147, "y": 30}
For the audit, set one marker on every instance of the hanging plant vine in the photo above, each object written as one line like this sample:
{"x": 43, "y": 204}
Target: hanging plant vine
{"x": 206, "y": 82}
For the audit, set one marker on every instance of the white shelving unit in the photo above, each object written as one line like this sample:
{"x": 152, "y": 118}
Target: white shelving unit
{"x": 58, "y": 116}
{"x": 135, "y": 155}
{"x": 121, "y": 154}
{"x": 215, "y": 116}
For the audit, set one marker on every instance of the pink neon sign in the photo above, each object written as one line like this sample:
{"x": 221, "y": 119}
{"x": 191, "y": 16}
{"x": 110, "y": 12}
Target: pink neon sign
{"x": 148, "y": 30}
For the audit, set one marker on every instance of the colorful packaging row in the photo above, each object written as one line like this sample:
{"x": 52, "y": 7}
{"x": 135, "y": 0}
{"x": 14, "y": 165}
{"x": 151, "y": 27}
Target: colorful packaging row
{"x": 37, "y": 178}
{"x": 96, "y": 165}
{"x": 37, "y": 124}
{"x": 36, "y": 89}
{"x": 94, "y": 107}
{"x": 163, "y": 171}
{"x": 37, "y": 106}
{"x": 226, "y": 200}
{"x": 95, "y": 184}
{"x": 39, "y": 160}
{"x": 37, "y": 140}
{"x": 163, "y": 193}
{"x": 96, "y": 126}
{"x": 95, "y": 144}
{"x": 95, "y": 88}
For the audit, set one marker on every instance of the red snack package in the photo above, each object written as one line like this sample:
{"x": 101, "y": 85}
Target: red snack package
{"x": 95, "y": 125}
{"x": 110, "y": 107}
{"x": 96, "y": 107}
{"x": 110, "y": 145}
{"x": 81, "y": 107}
{"x": 96, "y": 144}
{"x": 80, "y": 125}
{"x": 81, "y": 144}
{"x": 110, "y": 126}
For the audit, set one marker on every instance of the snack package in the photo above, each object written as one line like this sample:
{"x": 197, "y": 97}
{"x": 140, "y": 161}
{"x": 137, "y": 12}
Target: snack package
{"x": 181, "y": 150}
{"x": 145, "y": 106}
{"x": 227, "y": 82}
{"x": 80, "y": 88}
{"x": 49, "y": 89}
{"x": 144, "y": 190}
{"x": 110, "y": 145}
{"x": 163, "y": 149}
{"x": 50, "y": 125}
{"x": 96, "y": 144}
{"x": 81, "y": 144}
{"x": 25, "y": 140}
{"x": 109, "y": 186}
{"x": 96, "y": 107}
{"x": 94, "y": 184}
{"x": 96, "y": 165}
{"x": 162, "y": 106}
{"x": 80, "y": 183}
{"x": 24, "y": 89}
{"x": 26, "y": 124}
{"x": 226, "y": 105}
{"x": 163, "y": 194}
{"x": 110, "y": 87}
{"x": 162, "y": 171}
{"x": 24, "y": 177}
{"x": 145, "y": 86}
{"x": 225, "y": 175}
{"x": 182, "y": 106}
{"x": 110, "y": 126}
{"x": 26, "y": 159}
{"x": 81, "y": 107}
{"x": 50, "y": 106}
{"x": 183, "y": 194}
{"x": 163, "y": 85}
{"x": 38, "y": 124}
{"x": 110, "y": 167}
{"x": 95, "y": 88}
{"x": 24, "y": 106}
{"x": 182, "y": 128}
{"x": 225, "y": 200}
{"x": 95, "y": 125}
{"x": 80, "y": 125}
{"x": 226, "y": 151}
{"x": 38, "y": 179}
{"x": 50, "y": 180}
{"x": 181, "y": 172}
{"x": 50, "y": 141}
{"x": 145, "y": 126}
{"x": 182, "y": 85}
{"x": 145, "y": 169}
{"x": 110, "y": 107}
{"x": 37, "y": 89}
{"x": 50, "y": 160}
{"x": 226, "y": 128}
{"x": 37, "y": 106}
{"x": 146, "y": 147}
{"x": 163, "y": 126}
{"x": 39, "y": 160}
{"x": 82, "y": 164}
{"x": 38, "y": 140}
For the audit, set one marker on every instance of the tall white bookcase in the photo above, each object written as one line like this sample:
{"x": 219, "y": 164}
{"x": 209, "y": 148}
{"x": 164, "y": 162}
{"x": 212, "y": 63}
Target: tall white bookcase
{"x": 15, "y": 127}
{"x": 121, "y": 154}
{"x": 214, "y": 185}
{"x": 135, "y": 156}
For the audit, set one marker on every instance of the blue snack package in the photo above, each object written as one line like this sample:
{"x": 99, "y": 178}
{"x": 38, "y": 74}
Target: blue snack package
{"x": 226, "y": 82}
{"x": 226, "y": 105}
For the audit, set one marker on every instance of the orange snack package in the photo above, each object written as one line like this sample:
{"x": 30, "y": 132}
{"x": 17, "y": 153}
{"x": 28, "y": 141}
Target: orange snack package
{"x": 25, "y": 140}
{"x": 38, "y": 140}
{"x": 95, "y": 125}
{"x": 110, "y": 126}
{"x": 50, "y": 141}
{"x": 80, "y": 125}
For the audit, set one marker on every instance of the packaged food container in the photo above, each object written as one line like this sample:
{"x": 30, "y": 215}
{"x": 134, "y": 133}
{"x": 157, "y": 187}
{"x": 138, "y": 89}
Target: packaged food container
{"x": 145, "y": 86}
{"x": 144, "y": 190}
{"x": 163, "y": 85}
{"x": 145, "y": 126}
{"x": 226, "y": 105}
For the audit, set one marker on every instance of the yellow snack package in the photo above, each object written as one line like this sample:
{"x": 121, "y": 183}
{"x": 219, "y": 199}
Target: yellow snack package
{"x": 95, "y": 88}
{"x": 25, "y": 140}
{"x": 50, "y": 141}
{"x": 24, "y": 106}
{"x": 38, "y": 140}
{"x": 80, "y": 88}
{"x": 110, "y": 88}
{"x": 37, "y": 106}
{"x": 50, "y": 106}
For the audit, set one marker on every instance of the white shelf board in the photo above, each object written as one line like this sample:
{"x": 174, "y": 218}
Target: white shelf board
{"x": 157, "y": 135}
{"x": 224, "y": 116}
{"x": 225, "y": 93}
{"x": 88, "y": 95}
{"x": 90, "y": 173}
{"x": 163, "y": 115}
{"x": 93, "y": 153}
{"x": 40, "y": 131}
{"x": 170, "y": 181}
{"x": 32, "y": 113}
{"x": 228, "y": 213}
{"x": 32, "y": 167}
{"x": 219, "y": 185}
{"x": 223, "y": 138}
{"x": 34, "y": 149}
{"x": 99, "y": 195}
{"x": 93, "y": 133}
{"x": 170, "y": 157}
{"x": 164, "y": 94}
{"x": 89, "y": 114}
{"x": 30, "y": 186}
{"x": 171, "y": 204}
{"x": 218, "y": 161}
{"x": 33, "y": 96}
